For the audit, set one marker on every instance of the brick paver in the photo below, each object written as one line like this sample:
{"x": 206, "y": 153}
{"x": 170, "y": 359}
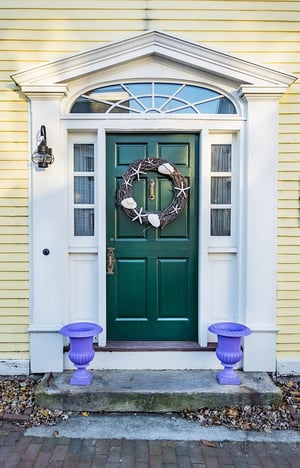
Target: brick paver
{"x": 18, "y": 450}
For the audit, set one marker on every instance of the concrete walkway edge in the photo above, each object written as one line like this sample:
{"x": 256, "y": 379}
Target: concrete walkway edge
{"x": 152, "y": 427}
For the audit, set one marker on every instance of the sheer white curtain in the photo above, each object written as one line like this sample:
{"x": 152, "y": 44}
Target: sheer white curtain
{"x": 84, "y": 198}
{"x": 220, "y": 194}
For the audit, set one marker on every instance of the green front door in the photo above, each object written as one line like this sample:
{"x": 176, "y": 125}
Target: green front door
{"x": 152, "y": 290}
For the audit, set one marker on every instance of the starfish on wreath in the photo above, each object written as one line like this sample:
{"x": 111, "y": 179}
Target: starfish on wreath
{"x": 182, "y": 190}
{"x": 137, "y": 172}
{"x": 139, "y": 215}
{"x": 150, "y": 161}
{"x": 175, "y": 209}
{"x": 127, "y": 183}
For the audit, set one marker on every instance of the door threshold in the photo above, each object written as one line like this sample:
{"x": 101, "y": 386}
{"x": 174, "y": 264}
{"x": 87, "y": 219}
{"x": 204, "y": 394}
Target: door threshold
{"x": 155, "y": 346}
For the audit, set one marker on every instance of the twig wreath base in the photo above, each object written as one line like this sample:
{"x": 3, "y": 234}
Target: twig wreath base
{"x": 157, "y": 218}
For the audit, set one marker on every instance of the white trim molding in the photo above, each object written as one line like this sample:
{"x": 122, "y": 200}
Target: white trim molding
{"x": 288, "y": 367}
{"x": 14, "y": 367}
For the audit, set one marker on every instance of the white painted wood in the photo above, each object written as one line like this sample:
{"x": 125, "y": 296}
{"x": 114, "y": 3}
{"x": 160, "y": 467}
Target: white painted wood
{"x": 288, "y": 367}
{"x": 83, "y": 287}
{"x": 46, "y": 352}
{"x": 222, "y": 289}
{"x": 151, "y": 360}
{"x": 260, "y": 234}
{"x": 14, "y": 367}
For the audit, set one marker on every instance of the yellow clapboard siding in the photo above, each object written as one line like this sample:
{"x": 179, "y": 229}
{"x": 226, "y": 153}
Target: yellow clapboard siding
{"x": 289, "y": 311}
{"x": 290, "y": 295}
{"x": 286, "y": 249}
{"x": 17, "y": 304}
{"x": 14, "y": 285}
{"x": 14, "y": 193}
{"x": 157, "y": 13}
{"x": 291, "y": 286}
{"x": 287, "y": 354}
{"x": 9, "y": 349}
{"x": 9, "y": 321}
{"x": 291, "y": 337}
{"x": 285, "y": 320}
{"x": 14, "y": 275}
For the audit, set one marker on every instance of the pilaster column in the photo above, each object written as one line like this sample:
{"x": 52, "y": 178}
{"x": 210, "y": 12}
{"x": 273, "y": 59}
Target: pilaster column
{"x": 259, "y": 215}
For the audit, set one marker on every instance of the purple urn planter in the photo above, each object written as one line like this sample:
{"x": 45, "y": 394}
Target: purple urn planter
{"x": 81, "y": 352}
{"x": 229, "y": 350}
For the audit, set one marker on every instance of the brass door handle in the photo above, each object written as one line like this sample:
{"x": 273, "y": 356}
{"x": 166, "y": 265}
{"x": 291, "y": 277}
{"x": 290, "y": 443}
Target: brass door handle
{"x": 110, "y": 261}
{"x": 152, "y": 189}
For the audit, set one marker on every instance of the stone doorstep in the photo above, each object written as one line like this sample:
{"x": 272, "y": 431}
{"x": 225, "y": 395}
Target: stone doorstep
{"x": 152, "y": 391}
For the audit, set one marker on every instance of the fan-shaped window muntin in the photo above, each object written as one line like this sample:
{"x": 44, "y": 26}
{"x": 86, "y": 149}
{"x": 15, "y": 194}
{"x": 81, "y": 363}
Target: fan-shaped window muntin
{"x": 154, "y": 98}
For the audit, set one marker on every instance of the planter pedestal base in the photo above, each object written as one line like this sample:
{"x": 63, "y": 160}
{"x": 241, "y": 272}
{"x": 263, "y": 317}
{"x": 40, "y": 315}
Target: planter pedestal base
{"x": 81, "y": 377}
{"x": 227, "y": 376}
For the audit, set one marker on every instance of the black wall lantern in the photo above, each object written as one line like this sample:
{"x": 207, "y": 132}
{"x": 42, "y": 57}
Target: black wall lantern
{"x": 43, "y": 156}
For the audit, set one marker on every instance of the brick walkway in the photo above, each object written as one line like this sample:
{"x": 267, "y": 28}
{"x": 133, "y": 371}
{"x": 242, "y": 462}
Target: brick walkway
{"x": 17, "y": 450}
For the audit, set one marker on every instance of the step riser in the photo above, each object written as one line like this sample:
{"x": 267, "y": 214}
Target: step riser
{"x": 155, "y": 392}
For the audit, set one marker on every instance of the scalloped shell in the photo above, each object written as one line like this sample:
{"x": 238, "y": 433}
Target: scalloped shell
{"x": 154, "y": 219}
{"x": 166, "y": 168}
{"x": 129, "y": 203}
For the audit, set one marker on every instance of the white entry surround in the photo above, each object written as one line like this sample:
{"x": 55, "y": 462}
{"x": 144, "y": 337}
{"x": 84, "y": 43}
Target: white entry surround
{"x": 237, "y": 276}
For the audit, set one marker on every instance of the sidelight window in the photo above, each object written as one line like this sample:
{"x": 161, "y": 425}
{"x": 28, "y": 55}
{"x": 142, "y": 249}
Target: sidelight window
{"x": 220, "y": 190}
{"x": 84, "y": 190}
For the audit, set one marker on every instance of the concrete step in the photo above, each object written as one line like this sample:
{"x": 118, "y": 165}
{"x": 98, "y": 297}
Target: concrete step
{"x": 154, "y": 391}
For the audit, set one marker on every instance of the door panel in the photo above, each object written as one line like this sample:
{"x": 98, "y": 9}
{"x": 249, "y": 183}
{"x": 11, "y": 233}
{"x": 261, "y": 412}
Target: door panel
{"x": 152, "y": 294}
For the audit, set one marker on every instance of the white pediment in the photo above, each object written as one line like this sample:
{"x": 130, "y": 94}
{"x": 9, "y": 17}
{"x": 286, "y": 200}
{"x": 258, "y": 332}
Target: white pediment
{"x": 160, "y": 46}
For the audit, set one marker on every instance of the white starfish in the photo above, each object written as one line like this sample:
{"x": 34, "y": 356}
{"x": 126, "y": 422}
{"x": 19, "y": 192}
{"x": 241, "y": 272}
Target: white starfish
{"x": 175, "y": 209}
{"x": 182, "y": 190}
{"x": 127, "y": 183}
{"x": 150, "y": 161}
{"x": 138, "y": 171}
{"x": 139, "y": 215}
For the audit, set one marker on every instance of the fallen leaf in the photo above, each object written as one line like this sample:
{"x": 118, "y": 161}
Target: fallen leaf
{"x": 208, "y": 443}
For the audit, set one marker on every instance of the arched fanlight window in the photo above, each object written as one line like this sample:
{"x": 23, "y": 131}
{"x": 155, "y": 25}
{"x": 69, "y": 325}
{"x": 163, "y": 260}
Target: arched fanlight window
{"x": 155, "y": 98}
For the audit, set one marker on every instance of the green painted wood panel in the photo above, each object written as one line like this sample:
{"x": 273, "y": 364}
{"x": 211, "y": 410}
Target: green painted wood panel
{"x": 152, "y": 294}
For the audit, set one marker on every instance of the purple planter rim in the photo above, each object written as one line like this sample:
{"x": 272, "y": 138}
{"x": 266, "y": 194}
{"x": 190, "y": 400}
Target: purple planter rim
{"x": 81, "y": 329}
{"x": 232, "y": 329}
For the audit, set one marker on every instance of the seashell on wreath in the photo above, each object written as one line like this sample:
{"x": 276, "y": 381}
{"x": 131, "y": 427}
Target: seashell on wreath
{"x": 166, "y": 168}
{"x": 154, "y": 219}
{"x": 129, "y": 203}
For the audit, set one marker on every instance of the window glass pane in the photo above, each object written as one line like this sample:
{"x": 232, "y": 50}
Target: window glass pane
{"x": 146, "y": 102}
{"x": 220, "y": 190}
{"x": 195, "y": 94}
{"x": 83, "y": 190}
{"x": 220, "y": 222}
{"x": 172, "y": 105}
{"x": 159, "y": 101}
{"x": 83, "y": 221}
{"x": 221, "y": 158}
{"x": 140, "y": 88}
{"x": 134, "y": 104}
{"x": 110, "y": 94}
{"x": 83, "y": 158}
{"x": 184, "y": 110}
{"x": 225, "y": 106}
{"x": 167, "y": 89}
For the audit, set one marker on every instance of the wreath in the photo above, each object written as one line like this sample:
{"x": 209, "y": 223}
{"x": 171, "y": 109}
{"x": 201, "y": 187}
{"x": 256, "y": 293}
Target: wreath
{"x": 158, "y": 218}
